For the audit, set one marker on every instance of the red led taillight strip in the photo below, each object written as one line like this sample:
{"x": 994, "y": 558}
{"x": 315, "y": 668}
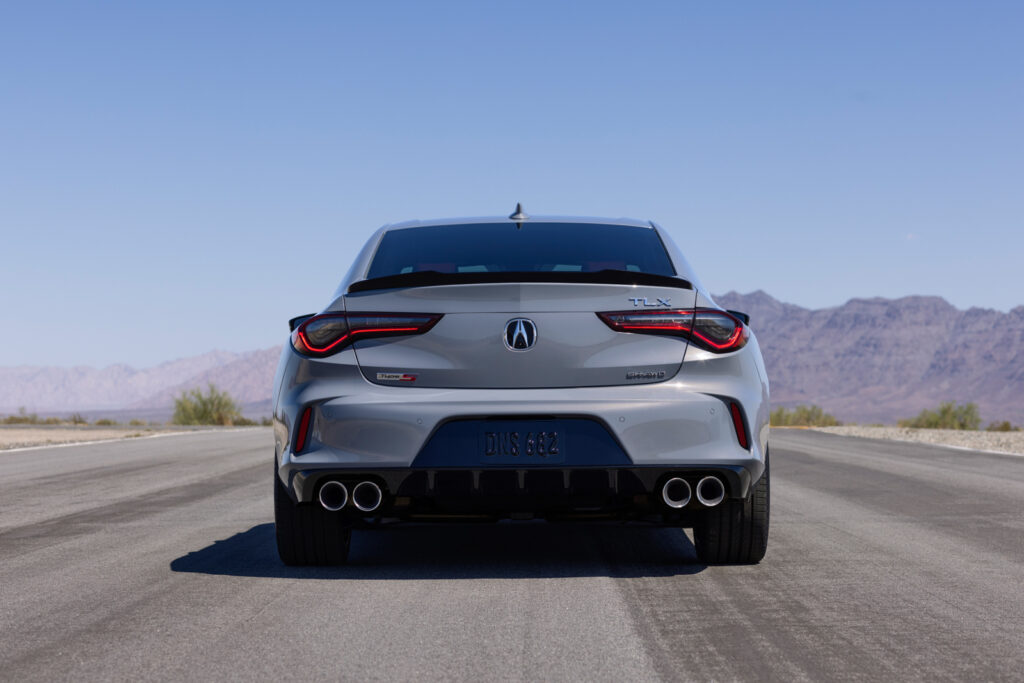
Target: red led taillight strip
{"x": 349, "y": 338}
{"x": 698, "y": 325}
{"x": 329, "y": 333}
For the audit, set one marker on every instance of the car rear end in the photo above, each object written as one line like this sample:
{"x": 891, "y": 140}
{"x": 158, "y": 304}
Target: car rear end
{"x": 564, "y": 369}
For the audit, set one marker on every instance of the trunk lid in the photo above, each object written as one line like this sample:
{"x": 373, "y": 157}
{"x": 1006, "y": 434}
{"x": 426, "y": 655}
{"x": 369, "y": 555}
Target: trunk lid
{"x": 470, "y": 346}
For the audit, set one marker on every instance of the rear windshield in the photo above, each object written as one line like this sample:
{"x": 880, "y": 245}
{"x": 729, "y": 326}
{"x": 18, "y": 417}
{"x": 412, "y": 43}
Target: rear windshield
{"x": 534, "y": 247}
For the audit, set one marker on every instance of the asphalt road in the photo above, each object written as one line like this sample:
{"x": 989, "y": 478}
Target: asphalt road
{"x": 154, "y": 559}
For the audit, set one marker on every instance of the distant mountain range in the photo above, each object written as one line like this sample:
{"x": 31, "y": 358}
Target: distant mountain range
{"x": 869, "y": 360}
{"x": 119, "y": 390}
{"x": 878, "y": 360}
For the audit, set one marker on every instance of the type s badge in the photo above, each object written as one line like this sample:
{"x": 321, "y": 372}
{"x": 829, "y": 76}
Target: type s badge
{"x": 395, "y": 377}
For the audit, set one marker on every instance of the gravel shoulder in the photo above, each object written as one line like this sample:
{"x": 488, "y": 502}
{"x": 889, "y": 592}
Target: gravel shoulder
{"x": 1002, "y": 442}
{"x": 26, "y": 437}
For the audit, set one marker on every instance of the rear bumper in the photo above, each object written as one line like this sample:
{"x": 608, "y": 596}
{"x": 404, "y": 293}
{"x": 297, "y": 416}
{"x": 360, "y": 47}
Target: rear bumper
{"x": 359, "y": 424}
{"x": 384, "y": 433}
{"x": 627, "y": 492}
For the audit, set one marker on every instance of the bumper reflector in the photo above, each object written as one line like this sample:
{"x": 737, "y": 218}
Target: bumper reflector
{"x": 737, "y": 422}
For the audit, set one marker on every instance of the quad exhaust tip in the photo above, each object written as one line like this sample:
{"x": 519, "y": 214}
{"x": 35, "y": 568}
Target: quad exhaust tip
{"x": 710, "y": 491}
{"x": 367, "y": 496}
{"x": 676, "y": 492}
{"x": 333, "y": 496}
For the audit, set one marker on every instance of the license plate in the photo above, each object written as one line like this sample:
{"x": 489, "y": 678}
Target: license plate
{"x": 524, "y": 447}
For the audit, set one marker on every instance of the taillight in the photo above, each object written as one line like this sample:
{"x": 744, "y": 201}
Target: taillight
{"x": 329, "y": 333}
{"x": 708, "y": 328}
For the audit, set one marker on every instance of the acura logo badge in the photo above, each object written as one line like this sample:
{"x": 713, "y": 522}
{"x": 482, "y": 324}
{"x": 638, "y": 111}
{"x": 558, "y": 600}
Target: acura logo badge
{"x": 520, "y": 334}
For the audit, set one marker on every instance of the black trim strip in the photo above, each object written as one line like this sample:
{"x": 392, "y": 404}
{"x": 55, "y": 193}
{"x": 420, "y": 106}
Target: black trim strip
{"x": 432, "y": 278}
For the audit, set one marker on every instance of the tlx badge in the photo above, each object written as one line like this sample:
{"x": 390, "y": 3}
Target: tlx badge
{"x": 639, "y": 301}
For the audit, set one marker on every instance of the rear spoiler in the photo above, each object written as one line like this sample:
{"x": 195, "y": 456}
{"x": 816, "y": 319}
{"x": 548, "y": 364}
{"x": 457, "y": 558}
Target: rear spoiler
{"x": 432, "y": 278}
{"x": 298, "y": 320}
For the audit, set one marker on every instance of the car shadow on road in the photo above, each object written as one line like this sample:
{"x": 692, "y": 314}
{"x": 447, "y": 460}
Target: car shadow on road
{"x": 535, "y": 550}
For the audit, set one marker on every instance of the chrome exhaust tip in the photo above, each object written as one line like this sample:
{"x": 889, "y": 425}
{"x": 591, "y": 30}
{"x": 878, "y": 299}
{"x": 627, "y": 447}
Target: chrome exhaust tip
{"x": 333, "y": 496}
{"x": 367, "y": 496}
{"x": 710, "y": 491}
{"x": 676, "y": 492}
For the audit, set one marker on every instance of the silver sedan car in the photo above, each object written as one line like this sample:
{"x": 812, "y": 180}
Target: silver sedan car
{"x": 521, "y": 368}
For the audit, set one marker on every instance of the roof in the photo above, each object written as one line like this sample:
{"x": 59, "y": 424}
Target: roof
{"x": 628, "y": 222}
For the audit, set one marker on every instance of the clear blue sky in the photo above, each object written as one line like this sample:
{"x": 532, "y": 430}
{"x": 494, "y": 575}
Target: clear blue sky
{"x": 185, "y": 177}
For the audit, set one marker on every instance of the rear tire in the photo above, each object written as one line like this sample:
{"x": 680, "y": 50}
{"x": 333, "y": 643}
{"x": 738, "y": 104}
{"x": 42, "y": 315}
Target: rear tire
{"x": 736, "y": 532}
{"x": 306, "y": 533}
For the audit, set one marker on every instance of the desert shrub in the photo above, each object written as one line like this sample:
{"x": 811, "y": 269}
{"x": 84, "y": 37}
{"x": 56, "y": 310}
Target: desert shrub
{"x": 77, "y": 419}
{"x": 22, "y": 418}
{"x": 212, "y": 408}
{"x": 803, "y": 416}
{"x": 246, "y": 422}
{"x": 1003, "y": 426}
{"x": 948, "y": 415}
{"x": 52, "y": 421}
{"x": 105, "y": 422}
{"x": 136, "y": 422}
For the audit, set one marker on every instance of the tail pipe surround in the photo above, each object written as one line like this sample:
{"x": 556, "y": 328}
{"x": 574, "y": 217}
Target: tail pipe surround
{"x": 333, "y": 496}
{"x": 367, "y": 496}
{"x": 710, "y": 491}
{"x": 676, "y": 493}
